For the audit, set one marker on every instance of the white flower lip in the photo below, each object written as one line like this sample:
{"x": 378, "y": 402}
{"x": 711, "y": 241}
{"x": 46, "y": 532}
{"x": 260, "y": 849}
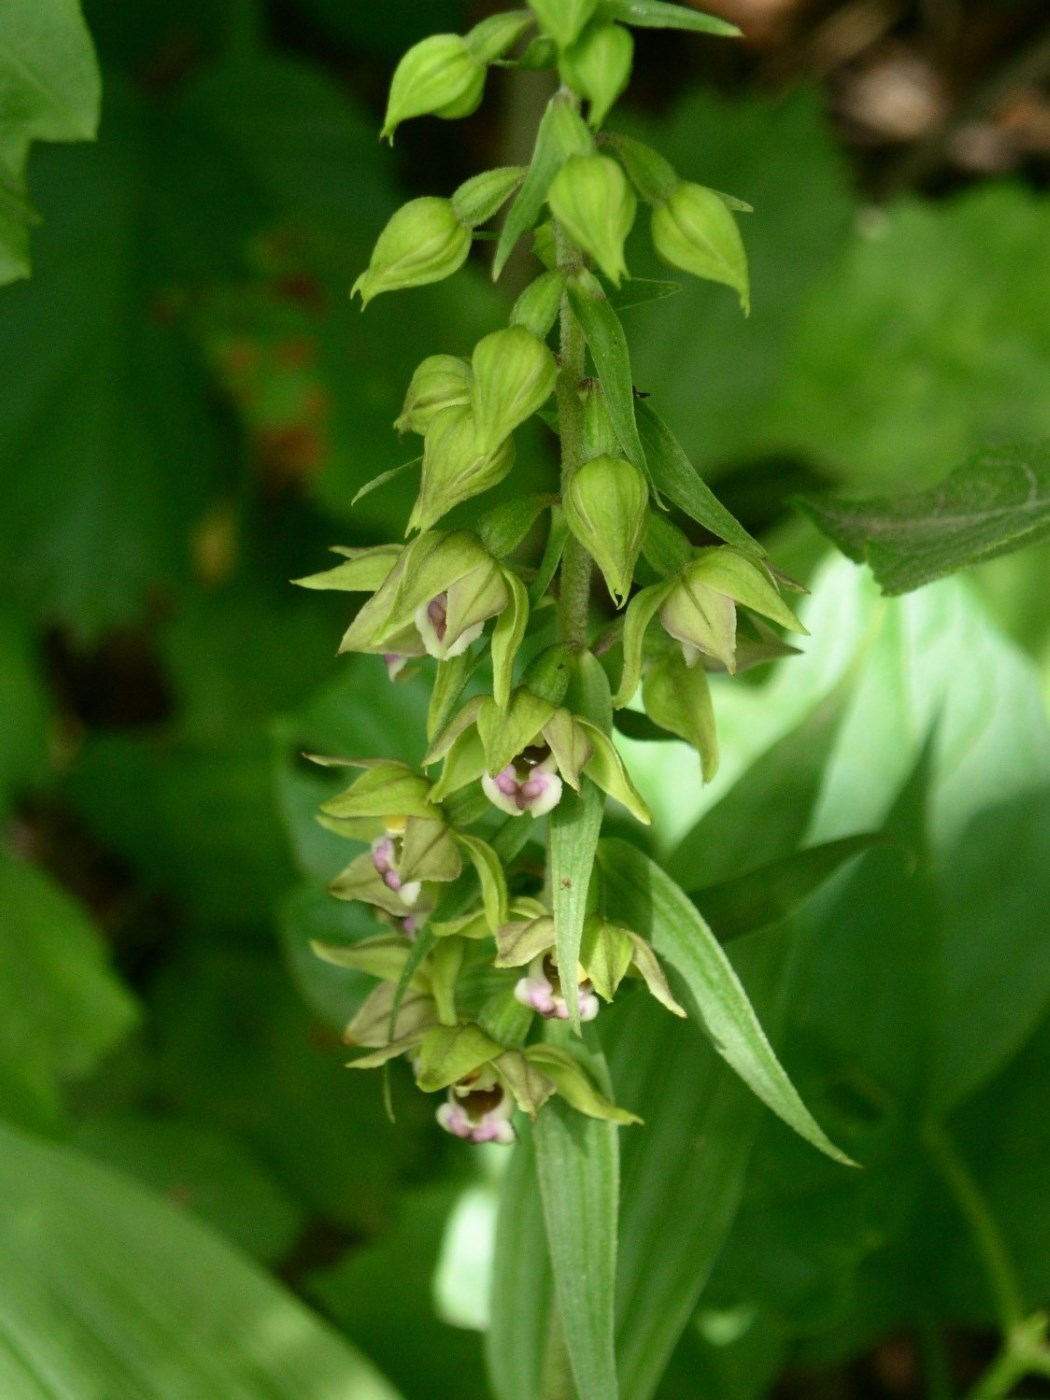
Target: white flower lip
{"x": 519, "y": 788}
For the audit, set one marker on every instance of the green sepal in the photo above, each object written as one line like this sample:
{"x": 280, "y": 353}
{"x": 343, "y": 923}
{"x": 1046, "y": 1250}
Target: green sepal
{"x": 605, "y": 767}
{"x": 570, "y": 745}
{"x": 473, "y": 926}
{"x": 677, "y": 697}
{"x": 640, "y": 612}
{"x": 537, "y": 307}
{"x": 490, "y": 875}
{"x": 505, "y": 733}
{"x": 701, "y": 618}
{"x": 495, "y": 36}
{"x": 461, "y": 723}
{"x": 575, "y": 1085}
{"x": 448, "y": 1054}
{"x": 364, "y": 571}
{"x": 606, "y": 954}
{"x": 695, "y": 231}
{"x": 429, "y": 851}
{"x": 423, "y": 242}
{"x": 376, "y": 1059}
{"x": 386, "y": 789}
{"x": 440, "y": 76}
{"x": 607, "y": 504}
{"x": 455, "y": 468}
{"x": 440, "y": 381}
{"x": 598, "y": 67}
{"x": 521, "y": 940}
{"x": 746, "y": 581}
{"x": 360, "y": 880}
{"x": 653, "y": 177}
{"x": 504, "y": 1018}
{"x": 482, "y": 196}
{"x": 450, "y": 679}
{"x": 384, "y": 956}
{"x": 647, "y": 965}
{"x": 464, "y": 764}
{"x": 507, "y": 637}
{"x": 371, "y": 1026}
{"x": 514, "y": 375}
{"x": 443, "y": 967}
{"x": 563, "y": 20}
{"x": 530, "y": 1087}
{"x": 591, "y": 198}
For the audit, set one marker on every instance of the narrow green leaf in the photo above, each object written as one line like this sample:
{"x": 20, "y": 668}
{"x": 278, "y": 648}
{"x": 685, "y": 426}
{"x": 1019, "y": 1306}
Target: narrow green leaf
{"x": 102, "y": 1285}
{"x": 556, "y": 537}
{"x": 996, "y": 502}
{"x": 383, "y": 478}
{"x": 578, "y": 1166}
{"x": 656, "y": 14}
{"x": 676, "y": 476}
{"x": 490, "y": 875}
{"x": 608, "y": 346}
{"x": 659, "y": 910}
{"x": 639, "y": 291}
{"x": 547, "y": 159}
{"x": 769, "y": 893}
{"x": 575, "y": 824}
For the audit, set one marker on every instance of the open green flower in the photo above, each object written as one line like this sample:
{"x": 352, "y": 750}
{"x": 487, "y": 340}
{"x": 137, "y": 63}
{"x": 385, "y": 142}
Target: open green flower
{"x": 525, "y": 752}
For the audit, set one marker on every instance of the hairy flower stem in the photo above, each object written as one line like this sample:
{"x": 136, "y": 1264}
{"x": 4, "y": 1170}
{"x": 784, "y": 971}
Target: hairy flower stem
{"x": 575, "y": 582}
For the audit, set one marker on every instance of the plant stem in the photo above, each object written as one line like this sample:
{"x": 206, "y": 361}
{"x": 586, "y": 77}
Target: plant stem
{"x": 575, "y": 581}
{"x": 983, "y": 1227}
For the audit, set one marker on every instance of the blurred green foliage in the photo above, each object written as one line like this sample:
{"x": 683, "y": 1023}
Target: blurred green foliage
{"x": 190, "y": 405}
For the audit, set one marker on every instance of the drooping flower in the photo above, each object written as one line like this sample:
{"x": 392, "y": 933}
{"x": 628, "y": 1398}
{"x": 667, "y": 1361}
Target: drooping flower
{"x": 542, "y": 990}
{"x": 479, "y": 1109}
{"x": 529, "y": 783}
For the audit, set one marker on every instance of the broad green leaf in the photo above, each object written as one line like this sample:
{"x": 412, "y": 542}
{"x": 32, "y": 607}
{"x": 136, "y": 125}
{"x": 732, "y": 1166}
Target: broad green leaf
{"x": 608, "y": 346}
{"x": 102, "y": 1296}
{"x": 657, "y": 14}
{"x": 679, "y": 480}
{"x": 208, "y": 1173}
{"x": 49, "y": 91}
{"x": 996, "y": 502}
{"x": 892, "y": 390}
{"x": 577, "y": 1164}
{"x": 770, "y": 893}
{"x": 61, "y": 1008}
{"x": 655, "y": 907}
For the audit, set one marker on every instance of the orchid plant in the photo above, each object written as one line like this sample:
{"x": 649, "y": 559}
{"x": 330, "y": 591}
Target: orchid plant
{"x": 501, "y": 933}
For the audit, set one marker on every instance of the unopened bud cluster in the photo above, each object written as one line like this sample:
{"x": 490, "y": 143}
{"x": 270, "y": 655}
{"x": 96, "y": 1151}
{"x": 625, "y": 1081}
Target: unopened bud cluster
{"x": 469, "y": 926}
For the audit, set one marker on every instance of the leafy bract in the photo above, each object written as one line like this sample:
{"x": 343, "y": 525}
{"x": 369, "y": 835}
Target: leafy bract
{"x": 656, "y": 908}
{"x": 997, "y": 501}
{"x": 49, "y": 91}
{"x": 94, "y": 1273}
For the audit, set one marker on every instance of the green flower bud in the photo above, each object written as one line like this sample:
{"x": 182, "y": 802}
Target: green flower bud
{"x": 423, "y": 242}
{"x": 538, "y": 306}
{"x": 441, "y": 76}
{"x": 478, "y": 199}
{"x": 514, "y": 375}
{"x": 455, "y": 467}
{"x": 606, "y": 505}
{"x": 598, "y": 67}
{"x": 495, "y": 36}
{"x": 544, "y": 246}
{"x": 541, "y": 54}
{"x": 441, "y": 381}
{"x": 590, "y": 196}
{"x": 693, "y": 230}
{"x": 700, "y": 609}
{"x": 563, "y": 20}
